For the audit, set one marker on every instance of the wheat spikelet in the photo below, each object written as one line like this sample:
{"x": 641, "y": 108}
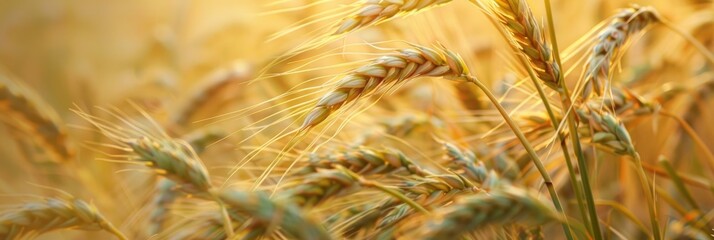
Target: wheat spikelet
{"x": 18, "y": 102}
{"x": 609, "y": 42}
{"x": 466, "y": 163}
{"x": 35, "y": 218}
{"x": 314, "y": 189}
{"x": 385, "y": 71}
{"x": 366, "y": 161}
{"x": 517, "y": 18}
{"x": 501, "y": 206}
{"x": 166, "y": 193}
{"x": 174, "y": 160}
{"x": 606, "y": 131}
{"x": 171, "y": 158}
{"x": 266, "y": 212}
{"x": 374, "y": 11}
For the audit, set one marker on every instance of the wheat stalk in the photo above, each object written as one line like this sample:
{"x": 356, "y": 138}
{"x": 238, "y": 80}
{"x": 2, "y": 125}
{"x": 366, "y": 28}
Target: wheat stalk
{"x": 502, "y": 206}
{"x": 40, "y": 120}
{"x": 383, "y": 72}
{"x": 517, "y": 18}
{"x": 372, "y": 12}
{"x": 53, "y": 214}
{"x": 609, "y": 42}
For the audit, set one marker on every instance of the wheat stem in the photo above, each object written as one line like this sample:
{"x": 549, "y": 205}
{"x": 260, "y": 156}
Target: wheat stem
{"x": 678, "y": 182}
{"x": 571, "y": 121}
{"x": 649, "y": 195}
{"x": 534, "y": 156}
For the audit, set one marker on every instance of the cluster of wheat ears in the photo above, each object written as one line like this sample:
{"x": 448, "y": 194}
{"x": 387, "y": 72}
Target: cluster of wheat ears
{"x": 573, "y": 143}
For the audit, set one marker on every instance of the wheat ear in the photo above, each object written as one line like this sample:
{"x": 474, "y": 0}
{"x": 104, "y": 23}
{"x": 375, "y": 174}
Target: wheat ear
{"x": 372, "y": 12}
{"x": 171, "y": 158}
{"x": 605, "y": 131}
{"x": 316, "y": 188}
{"x": 501, "y": 206}
{"x": 36, "y": 116}
{"x": 268, "y": 212}
{"x": 517, "y": 18}
{"x": 53, "y": 214}
{"x": 207, "y": 91}
{"x": 386, "y": 71}
{"x": 366, "y": 161}
{"x": 609, "y": 42}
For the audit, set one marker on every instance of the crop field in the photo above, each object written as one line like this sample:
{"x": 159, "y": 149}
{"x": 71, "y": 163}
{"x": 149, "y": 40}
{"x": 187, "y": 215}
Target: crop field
{"x": 357, "y": 119}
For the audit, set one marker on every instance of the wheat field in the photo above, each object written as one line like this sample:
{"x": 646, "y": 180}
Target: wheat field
{"x": 365, "y": 119}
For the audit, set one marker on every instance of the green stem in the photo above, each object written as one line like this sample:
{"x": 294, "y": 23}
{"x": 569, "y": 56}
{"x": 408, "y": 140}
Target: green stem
{"x": 555, "y": 122}
{"x": 693, "y": 135}
{"x": 533, "y": 155}
{"x": 649, "y": 195}
{"x": 678, "y": 182}
{"x": 116, "y": 232}
{"x": 571, "y": 119}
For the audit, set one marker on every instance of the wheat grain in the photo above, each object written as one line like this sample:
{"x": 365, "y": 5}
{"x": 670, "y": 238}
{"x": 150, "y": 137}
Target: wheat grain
{"x": 372, "y": 12}
{"x": 385, "y": 71}
{"x": 609, "y": 42}
{"x": 53, "y": 214}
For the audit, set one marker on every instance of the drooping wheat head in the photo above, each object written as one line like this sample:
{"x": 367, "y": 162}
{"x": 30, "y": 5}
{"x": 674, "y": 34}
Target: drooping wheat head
{"x": 605, "y": 130}
{"x": 466, "y": 163}
{"x": 174, "y": 160}
{"x": 35, "y": 218}
{"x": 384, "y": 72}
{"x": 211, "y": 90}
{"x": 623, "y": 26}
{"x": 35, "y": 116}
{"x": 517, "y": 18}
{"x": 372, "y": 12}
{"x": 500, "y": 206}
